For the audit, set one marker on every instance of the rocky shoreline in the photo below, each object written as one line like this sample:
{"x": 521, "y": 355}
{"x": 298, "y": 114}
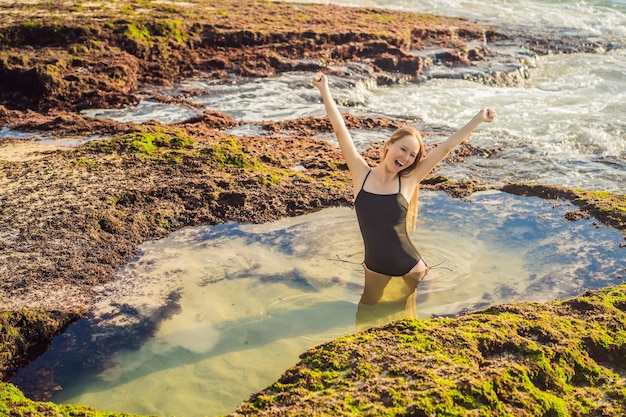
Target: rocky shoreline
{"x": 563, "y": 358}
{"x": 71, "y": 217}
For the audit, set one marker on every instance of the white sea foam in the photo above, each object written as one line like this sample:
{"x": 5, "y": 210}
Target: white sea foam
{"x": 599, "y": 18}
{"x": 566, "y": 126}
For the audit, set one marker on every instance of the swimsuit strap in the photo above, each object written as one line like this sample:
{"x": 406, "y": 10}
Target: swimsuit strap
{"x": 368, "y": 174}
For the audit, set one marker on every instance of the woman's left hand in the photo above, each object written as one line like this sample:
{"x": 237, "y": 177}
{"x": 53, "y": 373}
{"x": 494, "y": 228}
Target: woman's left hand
{"x": 487, "y": 115}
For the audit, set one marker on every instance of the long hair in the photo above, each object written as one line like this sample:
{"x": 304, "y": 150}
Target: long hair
{"x": 411, "y": 215}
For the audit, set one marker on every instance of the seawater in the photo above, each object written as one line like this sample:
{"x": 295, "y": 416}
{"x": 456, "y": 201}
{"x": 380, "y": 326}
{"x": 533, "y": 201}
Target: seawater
{"x": 567, "y": 126}
{"x": 251, "y": 298}
{"x": 605, "y": 18}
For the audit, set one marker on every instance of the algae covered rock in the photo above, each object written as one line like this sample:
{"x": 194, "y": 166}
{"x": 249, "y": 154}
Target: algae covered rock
{"x": 14, "y": 403}
{"x": 564, "y": 358}
{"x": 26, "y": 333}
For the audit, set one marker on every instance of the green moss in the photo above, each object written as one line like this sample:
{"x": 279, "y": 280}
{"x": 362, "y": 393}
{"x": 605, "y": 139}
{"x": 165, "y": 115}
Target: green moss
{"x": 172, "y": 29}
{"x": 95, "y": 146}
{"x": 607, "y": 207}
{"x": 141, "y": 143}
{"x": 32, "y": 24}
{"x": 228, "y": 153}
{"x": 137, "y": 32}
{"x": 149, "y": 140}
{"x": 14, "y": 403}
{"x": 262, "y": 401}
{"x": 438, "y": 179}
{"x": 127, "y": 10}
{"x": 22, "y": 334}
{"x": 600, "y": 194}
{"x": 610, "y": 203}
{"x": 381, "y": 18}
{"x": 156, "y": 141}
{"x": 170, "y": 9}
{"x": 14, "y": 343}
{"x": 83, "y": 162}
{"x": 352, "y": 406}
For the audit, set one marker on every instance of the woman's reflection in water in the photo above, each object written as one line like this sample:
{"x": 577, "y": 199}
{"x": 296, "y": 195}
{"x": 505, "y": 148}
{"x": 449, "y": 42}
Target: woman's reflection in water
{"x": 397, "y": 302}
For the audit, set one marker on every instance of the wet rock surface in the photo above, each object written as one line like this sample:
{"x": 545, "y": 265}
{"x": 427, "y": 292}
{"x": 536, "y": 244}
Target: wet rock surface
{"x": 68, "y": 57}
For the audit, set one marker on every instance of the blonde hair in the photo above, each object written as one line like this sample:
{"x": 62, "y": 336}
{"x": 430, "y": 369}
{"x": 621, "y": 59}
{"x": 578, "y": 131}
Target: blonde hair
{"x": 411, "y": 215}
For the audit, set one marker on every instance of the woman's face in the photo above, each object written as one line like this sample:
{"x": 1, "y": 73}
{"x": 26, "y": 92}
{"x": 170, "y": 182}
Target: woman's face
{"x": 401, "y": 154}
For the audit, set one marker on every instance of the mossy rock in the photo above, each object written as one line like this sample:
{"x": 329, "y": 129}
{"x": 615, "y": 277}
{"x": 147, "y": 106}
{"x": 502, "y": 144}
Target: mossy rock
{"x": 26, "y": 334}
{"x": 564, "y": 358}
{"x": 14, "y": 403}
{"x": 609, "y": 208}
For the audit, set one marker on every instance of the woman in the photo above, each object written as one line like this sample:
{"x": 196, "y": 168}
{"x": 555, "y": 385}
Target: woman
{"x": 383, "y": 194}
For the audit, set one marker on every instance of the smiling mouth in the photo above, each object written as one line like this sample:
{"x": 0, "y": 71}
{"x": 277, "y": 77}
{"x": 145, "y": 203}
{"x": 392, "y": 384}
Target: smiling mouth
{"x": 399, "y": 164}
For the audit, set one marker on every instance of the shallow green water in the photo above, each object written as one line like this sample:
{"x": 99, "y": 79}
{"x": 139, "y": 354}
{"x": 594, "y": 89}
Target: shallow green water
{"x": 202, "y": 319}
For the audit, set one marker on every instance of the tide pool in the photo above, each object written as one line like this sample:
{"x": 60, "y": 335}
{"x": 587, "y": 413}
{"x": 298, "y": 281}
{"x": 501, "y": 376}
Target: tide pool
{"x": 207, "y": 316}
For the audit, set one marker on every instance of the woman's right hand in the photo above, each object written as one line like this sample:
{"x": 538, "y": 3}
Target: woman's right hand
{"x": 320, "y": 80}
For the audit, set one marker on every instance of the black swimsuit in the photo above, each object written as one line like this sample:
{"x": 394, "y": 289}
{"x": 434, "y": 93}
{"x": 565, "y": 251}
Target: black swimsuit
{"x": 382, "y": 219}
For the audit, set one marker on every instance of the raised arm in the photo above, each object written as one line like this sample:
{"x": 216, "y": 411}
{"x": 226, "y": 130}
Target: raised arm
{"x": 356, "y": 164}
{"x": 436, "y": 155}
